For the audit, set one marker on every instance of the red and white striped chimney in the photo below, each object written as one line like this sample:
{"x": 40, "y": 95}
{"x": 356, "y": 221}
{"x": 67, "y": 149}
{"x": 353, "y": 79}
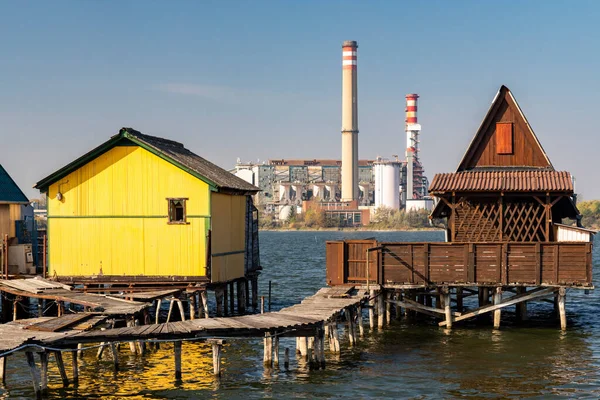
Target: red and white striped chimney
{"x": 349, "y": 122}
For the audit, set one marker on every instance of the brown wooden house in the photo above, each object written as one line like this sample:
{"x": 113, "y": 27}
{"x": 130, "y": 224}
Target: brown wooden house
{"x": 506, "y": 208}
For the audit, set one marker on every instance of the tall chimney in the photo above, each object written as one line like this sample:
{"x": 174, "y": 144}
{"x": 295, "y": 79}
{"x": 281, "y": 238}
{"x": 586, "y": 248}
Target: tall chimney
{"x": 349, "y": 122}
{"x": 412, "y": 142}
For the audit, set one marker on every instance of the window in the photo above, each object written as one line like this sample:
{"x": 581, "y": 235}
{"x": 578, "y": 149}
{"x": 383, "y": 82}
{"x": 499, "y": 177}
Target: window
{"x": 504, "y": 138}
{"x": 177, "y": 214}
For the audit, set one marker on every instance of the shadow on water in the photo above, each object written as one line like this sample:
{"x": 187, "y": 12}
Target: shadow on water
{"x": 407, "y": 360}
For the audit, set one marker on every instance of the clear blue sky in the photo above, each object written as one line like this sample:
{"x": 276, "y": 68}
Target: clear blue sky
{"x": 262, "y": 79}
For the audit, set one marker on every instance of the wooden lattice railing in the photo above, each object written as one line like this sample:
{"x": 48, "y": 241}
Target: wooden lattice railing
{"x": 512, "y": 263}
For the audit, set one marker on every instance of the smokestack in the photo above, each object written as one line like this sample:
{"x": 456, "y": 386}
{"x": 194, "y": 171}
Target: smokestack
{"x": 412, "y": 142}
{"x": 349, "y": 122}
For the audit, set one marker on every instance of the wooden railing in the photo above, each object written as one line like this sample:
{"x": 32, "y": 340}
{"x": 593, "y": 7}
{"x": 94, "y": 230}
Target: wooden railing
{"x": 513, "y": 263}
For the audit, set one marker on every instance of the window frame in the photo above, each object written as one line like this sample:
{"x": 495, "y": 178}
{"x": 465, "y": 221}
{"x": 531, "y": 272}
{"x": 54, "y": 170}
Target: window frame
{"x": 170, "y": 212}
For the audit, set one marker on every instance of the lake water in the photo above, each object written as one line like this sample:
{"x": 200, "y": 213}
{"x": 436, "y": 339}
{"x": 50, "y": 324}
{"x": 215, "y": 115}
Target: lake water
{"x": 406, "y": 360}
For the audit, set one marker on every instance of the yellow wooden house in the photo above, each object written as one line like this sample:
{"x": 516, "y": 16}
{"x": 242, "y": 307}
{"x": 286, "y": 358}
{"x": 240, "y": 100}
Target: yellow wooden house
{"x": 139, "y": 208}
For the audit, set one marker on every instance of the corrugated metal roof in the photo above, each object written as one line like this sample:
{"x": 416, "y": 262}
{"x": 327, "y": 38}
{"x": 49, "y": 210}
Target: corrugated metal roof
{"x": 502, "y": 181}
{"x": 9, "y": 191}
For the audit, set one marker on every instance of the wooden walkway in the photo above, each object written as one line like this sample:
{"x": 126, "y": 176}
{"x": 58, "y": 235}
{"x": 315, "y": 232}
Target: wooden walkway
{"x": 299, "y": 320}
{"x": 43, "y": 289}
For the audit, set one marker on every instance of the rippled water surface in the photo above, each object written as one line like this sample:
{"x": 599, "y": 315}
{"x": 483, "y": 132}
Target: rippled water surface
{"x": 406, "y": 360}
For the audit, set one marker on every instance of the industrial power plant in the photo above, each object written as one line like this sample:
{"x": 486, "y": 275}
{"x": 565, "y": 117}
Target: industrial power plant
{"x": 351, "y": 189}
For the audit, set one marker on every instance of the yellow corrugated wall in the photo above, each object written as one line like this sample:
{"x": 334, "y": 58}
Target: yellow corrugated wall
{"x": 228, "y": 234}
{"x": 112, "y": 218}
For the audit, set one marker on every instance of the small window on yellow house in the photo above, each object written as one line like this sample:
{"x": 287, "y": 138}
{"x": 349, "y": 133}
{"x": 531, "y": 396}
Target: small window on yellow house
{"x": 177, "y": 212}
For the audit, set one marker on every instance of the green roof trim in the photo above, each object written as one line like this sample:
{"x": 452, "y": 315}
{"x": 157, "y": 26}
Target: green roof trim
{"x": 9, "y": 190}
{"x": 173, "y": 152}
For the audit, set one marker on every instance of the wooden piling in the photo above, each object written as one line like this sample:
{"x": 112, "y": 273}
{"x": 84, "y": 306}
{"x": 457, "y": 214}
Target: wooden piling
{"x": 459, "y": 299}
{"x": 204, "y": 298}
{"x": 268, "y": 350}
{"x": 75, "y": 366}
{"x": 388, "y": 307}
{"x": 359, "y": 321}
{"x": 217, "y": 346}
{"x": 286, "y": 358}
{"x": 227, "y": 294}
{"x": 3, "y": 370}
{"x": 350, "y": 320}
{"x": 335, "y": 337}
{"x": 80, "y": 350}
{"x": 115, "y": 356}
{"x": 241, "y": 297}
{"x": 562, "y": 294}
{"x": 158, "y": 304}
{"x": 276, "y": 350}
{"x": 61, "y": 368}
{"x": 232, "y": 297}
{"x": 219, "y": 293}
{"x": 181, "y": 310}
{"x": 254, "y": 293}
{"x": 498, "y": 312}
{"x": 34, "y": 374}
{"x": 445, "y": 296}
{"x": 398, "y": 308}
{"x": 192, "y": 306}
{"x": 372, "y": 300}
{"x": 177, "y": 354}
{"x": 303, "y": 346}
{"x": 43, "y": 371}
{"x": 381, "y": 309}
{"x": 140, "y": 345}
{"x": 521, "y": 308}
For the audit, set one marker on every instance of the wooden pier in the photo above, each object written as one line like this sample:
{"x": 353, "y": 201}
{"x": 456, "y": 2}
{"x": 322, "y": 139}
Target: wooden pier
{"x": 314, "y": 322}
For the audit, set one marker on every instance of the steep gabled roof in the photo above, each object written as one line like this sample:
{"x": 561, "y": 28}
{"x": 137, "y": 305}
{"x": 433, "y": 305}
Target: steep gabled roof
{"x": 169, "y": 150}
{"x": 482, "y": 152}
{"x": 9, "y": 191}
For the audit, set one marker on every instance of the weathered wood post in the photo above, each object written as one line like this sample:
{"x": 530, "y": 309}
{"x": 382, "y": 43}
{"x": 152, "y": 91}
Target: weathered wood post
{"x": 562, "y": 294}
{"x": 204, "y": 299}
{"x": 359, "y": 321}
{"x": 276, "y": 350}
{"x": 335, "y": 338}
{"x": 445, "y": 296}
{"x": 34, "y": 374}
{"x": 286, "y": 358}
{"x": 397, "y": 307}
{"x": 181, "y": 310}
{"x": 268, "y": 350}
{"x": 303, "y": 346}
{"x": 43, "y": 371}
{"x": 254, "y": 293}
{"x": 140, "y": 345}
{"x": 177, "y": 354}
{"x": 372, "y": 309}
{"x": 381, "y": 309}
{"x": 131, "y": 323}
{"x": 350, "y": 320}
{"x": 75, "y": 366}
{"x": 3, "y": 370}
{"x": 217, "y": 346}
{"x": 157, "y": 316}
{"x": 521, "y": 308}
{"x": 115, "y": 356}
{"x": 232, "y": 298}
{"x": 459, "y": 299}
{"x": 219, "y": 298}
{"x": 388, "y": 307}
{"x": 241, "y": 297}
{"x": 498, "y": 312}
{"x": 61, "y": 368}
{"x": 192, "y": 305}
{"x": 247, "y": 292}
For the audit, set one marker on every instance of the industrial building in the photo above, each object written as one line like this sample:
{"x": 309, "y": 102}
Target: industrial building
{"x": 367, "y": 183}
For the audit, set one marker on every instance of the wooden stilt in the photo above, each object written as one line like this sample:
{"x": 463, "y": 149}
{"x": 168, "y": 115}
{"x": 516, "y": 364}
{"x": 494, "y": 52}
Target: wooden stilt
{"x": 232, "y": 298}
{"x": 15, "y": 308}
{"x": 521, "y": 308}
{"x": 228, "y": 304}
{"x": 302, "y": 346}
{"x": 459, "y": 299}
{"x": 388, "y": 307}
{"x": 140, "y": 345}
{"x": 276, "y": 350}
{"x": 286, "y": 358}
{"x": 321, "y": 348}
{"x": 447, "y": 306}
{"x": 131, "y": 323}
{"x": 61, "y": 368}
{"x": 34, "y": 374}
{"x": 80, "y": 350}
{"x": 359, "y": 321}
{"x": 40, "y": 307}
{"x": 181, "y": 310}
{"x": 398, "y": 309}
{"x": 204, "y": 298}
{"x": 157, "y": 317}
{"x": 100, "y": 350}
{"x": 219, "y": 293}
{"x": 429, "y": 300}
{"x": 115, "y": 355}
{"x": 372, "y": 309}
{"x": 268, "y": 350}
{"x": 217, "y": 346}
{"x": 254, "y": 293}
{"x": 327, "y": 333}
{"x": 247, "y": 292}
{"x": 350, "y": 320}
{"x": 335, "y": 337}
{"x": 486, "y": 295}
{"x": 75, "y": 366}
{"x": 43, "y": 372}
{"x": 177, "y": 354}
{"x": 498, "y": 312}
{"x": 562, "y": 294}
{"x": 170, "y": 310}
{"x": 381, "y": 309}
{"x": 241, "y": 298}
{"x": 3, "y": 370}
{"x": 192, "y": 305}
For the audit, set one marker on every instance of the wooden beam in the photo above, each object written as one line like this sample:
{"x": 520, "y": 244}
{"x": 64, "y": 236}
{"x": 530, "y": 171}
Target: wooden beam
{"x": 413, "y": 305}
{"x": 534, "y": 294}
